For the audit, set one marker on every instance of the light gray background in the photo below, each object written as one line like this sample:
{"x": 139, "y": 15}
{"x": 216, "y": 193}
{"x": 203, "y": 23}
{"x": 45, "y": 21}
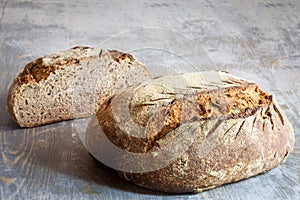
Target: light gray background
{"x": 258, "y": 40}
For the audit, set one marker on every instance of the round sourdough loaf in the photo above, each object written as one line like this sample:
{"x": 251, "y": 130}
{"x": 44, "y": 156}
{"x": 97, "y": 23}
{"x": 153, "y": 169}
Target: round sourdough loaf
{"x": 190, "y": 132}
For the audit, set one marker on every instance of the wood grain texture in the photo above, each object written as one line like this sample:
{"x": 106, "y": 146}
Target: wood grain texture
{"x": 258, "y": 40}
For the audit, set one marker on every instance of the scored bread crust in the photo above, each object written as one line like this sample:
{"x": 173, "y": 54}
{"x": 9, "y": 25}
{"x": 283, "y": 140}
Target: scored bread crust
{"x": 70, "y": 84}
{"x": 240, "y": 130}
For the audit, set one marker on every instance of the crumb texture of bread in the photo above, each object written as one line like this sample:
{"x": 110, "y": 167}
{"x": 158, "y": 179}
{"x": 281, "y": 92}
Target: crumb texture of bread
{"x": 70, "y": 84}
{"x": 240, "y": 130}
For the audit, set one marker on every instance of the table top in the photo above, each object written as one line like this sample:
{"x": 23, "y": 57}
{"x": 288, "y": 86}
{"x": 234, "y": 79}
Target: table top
{"x": 257, "y": 40}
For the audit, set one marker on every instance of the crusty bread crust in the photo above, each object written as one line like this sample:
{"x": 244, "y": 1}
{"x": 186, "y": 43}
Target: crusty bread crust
{"x": 70, "y": 84}
{"x": 238, "y": 131}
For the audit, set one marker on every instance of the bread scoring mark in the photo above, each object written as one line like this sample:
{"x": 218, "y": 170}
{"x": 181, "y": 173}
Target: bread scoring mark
{"x": 228, "y": 82}
{"x": 119, "y": 56}
{"x": 279, "y": 114}
{"x": 144, "y": 104}
{"x": 215, "y": 126}
{"x": 239, "y": 130}
{"x": 204, "y": 84}
{"x": 264, "y": 126}
{"x": 237, "y": 81}
{"x": 160, "y": 99}
{"x": 81, "y": 47}
{"x": 253, "y": 123}
{"x": 170, "y": 93}
{"x": 269, "y": 114}
{"x": 229, "y": 129}
{"x": 157, "y": 77}
{"x": 100, "y": 53}
{"x": 286, "y": 153}
{"x": 196, "y": 87}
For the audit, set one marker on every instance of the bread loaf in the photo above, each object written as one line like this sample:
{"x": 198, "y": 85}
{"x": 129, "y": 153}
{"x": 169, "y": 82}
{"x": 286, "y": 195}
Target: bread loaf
{"x": 190, "y": 132}
{"x": 70, "y": 84}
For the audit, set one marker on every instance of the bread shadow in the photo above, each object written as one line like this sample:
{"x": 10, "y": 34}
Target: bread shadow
{"x": 124, "y": 185}
{"x": 60, "y": 150}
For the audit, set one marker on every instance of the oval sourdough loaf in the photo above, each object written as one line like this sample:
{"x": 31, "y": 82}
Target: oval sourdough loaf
{"x": 190, "y": 132}
{"x": 70, "y": 84}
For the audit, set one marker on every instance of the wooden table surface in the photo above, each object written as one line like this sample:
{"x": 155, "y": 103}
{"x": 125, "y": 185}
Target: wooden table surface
{"x": 257, "y": 39}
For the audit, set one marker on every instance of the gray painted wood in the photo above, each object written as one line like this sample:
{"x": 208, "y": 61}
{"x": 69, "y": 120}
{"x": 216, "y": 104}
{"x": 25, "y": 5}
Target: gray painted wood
{"x": 256, "y": 39}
